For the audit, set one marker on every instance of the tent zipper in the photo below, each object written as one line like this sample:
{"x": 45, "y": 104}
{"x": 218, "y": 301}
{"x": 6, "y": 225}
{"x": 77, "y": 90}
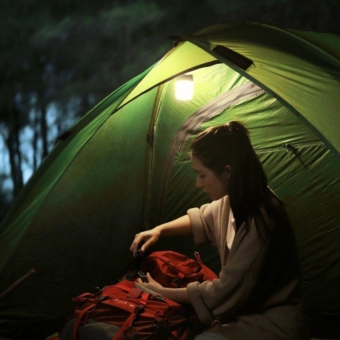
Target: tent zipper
{"x": 289, "y": 147}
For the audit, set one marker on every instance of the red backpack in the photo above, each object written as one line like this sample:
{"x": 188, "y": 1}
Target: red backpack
{"x": 172, "y": 269}
{"x": 122, "y": 311}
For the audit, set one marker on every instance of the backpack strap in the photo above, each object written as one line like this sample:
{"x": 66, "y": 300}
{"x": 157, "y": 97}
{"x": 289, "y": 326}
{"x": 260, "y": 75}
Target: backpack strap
{"x": 208, "y": 272}
{"x": 129, "y": 321}
{"x": 84, "y": 316}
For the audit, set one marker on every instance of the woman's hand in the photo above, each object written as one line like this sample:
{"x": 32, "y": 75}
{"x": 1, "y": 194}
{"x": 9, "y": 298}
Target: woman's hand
{"x": 145, "y": 239}
{"x": 179, "y": 295}
{"x": 151, "y": 284}
{"x": 180, "y": 226}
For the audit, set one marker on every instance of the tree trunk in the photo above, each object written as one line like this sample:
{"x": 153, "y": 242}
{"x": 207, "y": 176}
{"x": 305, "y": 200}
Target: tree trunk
{"x": 13, "y": 146}
{"x": 35, "y": 142}
{"x": 44, "y": 130}
{"x": 43, "y": 122}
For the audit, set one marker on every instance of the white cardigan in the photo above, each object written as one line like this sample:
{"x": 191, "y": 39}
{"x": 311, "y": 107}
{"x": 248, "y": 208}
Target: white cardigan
{"x": 256, "y": 295}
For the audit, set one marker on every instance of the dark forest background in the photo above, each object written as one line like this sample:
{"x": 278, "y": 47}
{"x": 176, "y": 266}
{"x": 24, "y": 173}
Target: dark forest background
{"x": 60, "y": 57}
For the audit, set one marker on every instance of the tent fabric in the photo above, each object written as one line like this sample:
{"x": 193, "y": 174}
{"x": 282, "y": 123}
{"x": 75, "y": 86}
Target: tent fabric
{"x": 286, "y": 65}
{"x": 124, "y": 167}
{"x": 192, "y": 124}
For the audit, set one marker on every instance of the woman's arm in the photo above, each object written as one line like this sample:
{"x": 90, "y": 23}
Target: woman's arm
{"x": 180, "y": 226}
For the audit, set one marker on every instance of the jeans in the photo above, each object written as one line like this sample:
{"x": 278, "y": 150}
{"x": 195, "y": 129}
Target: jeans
{"x": 210, "y": 336}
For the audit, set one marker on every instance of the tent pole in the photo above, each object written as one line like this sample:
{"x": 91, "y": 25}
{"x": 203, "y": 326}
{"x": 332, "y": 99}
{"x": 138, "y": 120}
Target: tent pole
{"x": 149, "y": 157}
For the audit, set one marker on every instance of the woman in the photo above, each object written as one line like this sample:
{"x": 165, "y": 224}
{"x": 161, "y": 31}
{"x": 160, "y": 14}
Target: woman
{"x": 256, "y": 295}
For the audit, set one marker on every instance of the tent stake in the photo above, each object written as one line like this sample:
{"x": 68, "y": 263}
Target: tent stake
{"x": 16, "y": 284}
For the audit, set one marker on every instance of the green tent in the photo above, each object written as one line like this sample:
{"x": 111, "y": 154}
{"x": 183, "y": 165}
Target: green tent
{"x": 124, "y": 167}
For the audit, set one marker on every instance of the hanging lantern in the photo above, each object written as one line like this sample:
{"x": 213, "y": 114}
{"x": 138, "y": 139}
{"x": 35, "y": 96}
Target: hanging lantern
{"x": 184, "y": 87}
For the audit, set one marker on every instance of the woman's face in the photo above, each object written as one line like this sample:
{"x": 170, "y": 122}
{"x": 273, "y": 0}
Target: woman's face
{"x": 210, "y": 183}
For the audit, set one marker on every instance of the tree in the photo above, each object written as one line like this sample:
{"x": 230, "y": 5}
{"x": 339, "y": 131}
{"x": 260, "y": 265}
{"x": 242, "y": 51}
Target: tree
{"x": 61, "y": 57}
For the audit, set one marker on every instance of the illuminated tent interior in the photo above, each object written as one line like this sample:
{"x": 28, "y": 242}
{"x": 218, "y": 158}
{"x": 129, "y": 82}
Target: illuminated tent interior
{"x": 124, "y": 167}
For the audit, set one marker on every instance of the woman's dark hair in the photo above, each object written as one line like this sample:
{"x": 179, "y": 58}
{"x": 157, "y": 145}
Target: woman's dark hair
{"x": 229, "y": 144}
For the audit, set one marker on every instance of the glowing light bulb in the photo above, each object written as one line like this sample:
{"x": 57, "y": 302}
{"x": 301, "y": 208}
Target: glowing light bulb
{"x": 184, "y": 87}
